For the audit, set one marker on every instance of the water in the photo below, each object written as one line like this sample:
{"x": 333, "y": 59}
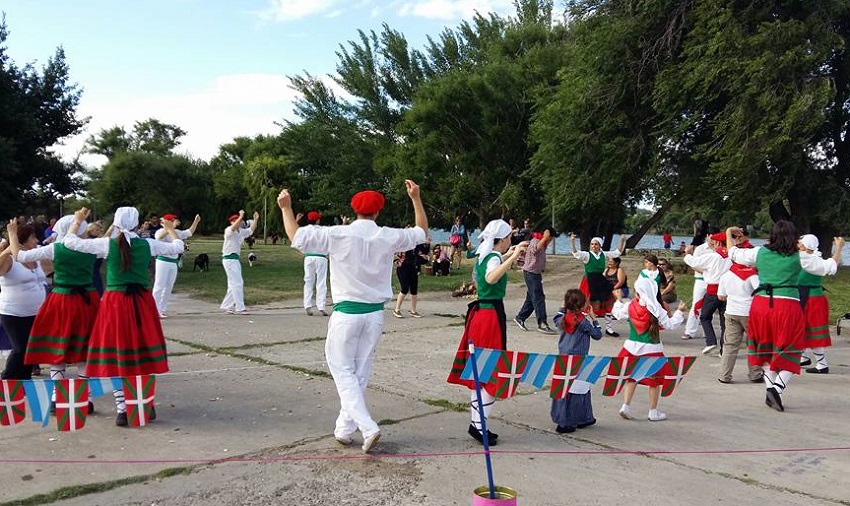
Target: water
{"x": 649, "y": 241}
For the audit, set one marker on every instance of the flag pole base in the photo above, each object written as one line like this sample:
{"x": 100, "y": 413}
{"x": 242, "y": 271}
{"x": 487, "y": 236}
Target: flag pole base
{"x": 504, "y": 496}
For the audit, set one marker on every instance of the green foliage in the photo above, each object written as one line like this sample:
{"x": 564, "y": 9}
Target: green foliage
{"x": 149, "y": 136}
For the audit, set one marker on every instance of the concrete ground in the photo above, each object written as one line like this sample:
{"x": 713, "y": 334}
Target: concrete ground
{"x": 246, "y": 417}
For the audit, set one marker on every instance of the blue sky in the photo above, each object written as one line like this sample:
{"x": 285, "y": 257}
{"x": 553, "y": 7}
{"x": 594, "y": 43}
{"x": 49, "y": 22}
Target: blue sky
{"x": 216, "y": 68}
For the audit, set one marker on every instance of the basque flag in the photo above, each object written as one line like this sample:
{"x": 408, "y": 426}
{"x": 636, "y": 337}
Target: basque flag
{"x": 12, "y": 402}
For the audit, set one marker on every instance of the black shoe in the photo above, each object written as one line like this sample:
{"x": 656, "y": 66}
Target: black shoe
{"x": 565, "y": 430}
{"x": 152, "y": 417}
{"x": 612, "y": 333}
{"x": 757, "y": 380}
{"x": 520, "y": 323}
{"x": 815, "y": 370}
{"x": 587, "y": 424}
{"x": 774, "y": 400}
{"x": 52, "y": 407}
{"x": 805, "y": 361}
{"x": 491, "y": 437}
{"x": 121, "y": 419}
{"x": 725, "y": 382}
{"x": 91, "y": 407}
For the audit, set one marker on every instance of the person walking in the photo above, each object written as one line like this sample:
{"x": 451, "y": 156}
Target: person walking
{"x": 532, "y": 271}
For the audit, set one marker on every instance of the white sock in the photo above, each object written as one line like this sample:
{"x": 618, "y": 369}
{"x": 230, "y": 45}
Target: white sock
{"x": 488, "y": 401}
{"x": 120, "y": 406}
{"x": 782, "y": 380}
{"x": 625, "y": 408}
{"x": 820, "y": 355}
{"x": 57, "y": 372}
{"x": 769, "y": 376}
{"x": 609, "y": 322}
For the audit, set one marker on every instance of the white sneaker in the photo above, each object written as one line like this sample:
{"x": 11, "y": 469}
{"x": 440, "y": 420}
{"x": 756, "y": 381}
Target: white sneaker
{"x": 626, "y": 413}
{"x": 309, "y": 311}
{"x": 243, "y": 312}
{"x": 229, "y": 311}
{"x": 344, "y": 440}
{"x": 708, "y": 349}
{"x": 659, "y": 416}
{"x": 370, "y": 441}
{"x": 163, "y": 316}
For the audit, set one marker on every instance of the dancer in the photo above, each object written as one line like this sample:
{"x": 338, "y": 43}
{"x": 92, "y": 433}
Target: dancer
{"x": 361, "y": 260}
{"x": 713, "y": 265}
{"x": 646, "y": 320}
{"x": 736, "y": 289}
{"x": 777, "y": 324}
{"x": 485, "y": 319}
{"x": 594, "y": 285}
{"x": 532, "y": 271}
{"x": 315, "y": 273}
{"x": 692, "y": 325}
{"x": 234, "y": 236}
{"x": 127, "y": 337}
{"x": 577, "y": 329}
{"x": 60, "y": 333}
{"x": 166, "y": 265}
{"x": 816, "y": 309}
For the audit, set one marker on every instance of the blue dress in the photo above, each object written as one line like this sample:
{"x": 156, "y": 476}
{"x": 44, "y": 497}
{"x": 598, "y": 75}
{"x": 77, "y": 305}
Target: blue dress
{"x": 576, "y": 408}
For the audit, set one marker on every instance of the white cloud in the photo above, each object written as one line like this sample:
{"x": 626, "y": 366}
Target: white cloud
{"x": 454, "y": 9}
{"x": 290, "y": 10}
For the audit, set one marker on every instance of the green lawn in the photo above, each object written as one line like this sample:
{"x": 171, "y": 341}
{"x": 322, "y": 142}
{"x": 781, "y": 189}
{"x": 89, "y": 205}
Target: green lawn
{"x": 278, "y": 274}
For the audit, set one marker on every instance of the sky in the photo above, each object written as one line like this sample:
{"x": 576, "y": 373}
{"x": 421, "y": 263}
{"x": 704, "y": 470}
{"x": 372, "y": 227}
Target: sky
{"x": 216, "y": 68}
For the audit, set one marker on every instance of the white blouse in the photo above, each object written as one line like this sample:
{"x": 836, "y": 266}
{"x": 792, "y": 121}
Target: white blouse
{"x": 100, "y": 246}
{"x": 22, "y": 290}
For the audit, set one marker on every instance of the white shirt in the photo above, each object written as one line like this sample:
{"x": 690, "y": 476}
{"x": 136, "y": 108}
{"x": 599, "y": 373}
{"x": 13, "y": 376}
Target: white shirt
{"x": 360, "y": 256}
{"x": 22, "y": 290}
{"x": 36, "y": 254}
{"x": 712, "y": 265}
{"x": 621, "y": 312}
{"x": 810, "y": 263}
{"x": 233, "y": 240}
{"x": 100, "y": 245}
{"x": 163, "y": 235}
{"x": 584, "y": 256}
{"x": 738, "y": 293}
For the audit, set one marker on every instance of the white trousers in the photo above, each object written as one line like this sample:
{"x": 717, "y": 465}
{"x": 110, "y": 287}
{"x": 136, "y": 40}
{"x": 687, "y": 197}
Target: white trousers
{"x": 693, "y": 326}
{"x": 315, "y": 276}
{"x": 234, "y": 298}
{"x": 350, "y": 351}
{"x": 166, "y": 275}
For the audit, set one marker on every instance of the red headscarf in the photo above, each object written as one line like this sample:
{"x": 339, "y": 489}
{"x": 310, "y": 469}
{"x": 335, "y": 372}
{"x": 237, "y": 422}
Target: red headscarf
{"x": 313, "y": 216}
{"x": 367, "y": 202}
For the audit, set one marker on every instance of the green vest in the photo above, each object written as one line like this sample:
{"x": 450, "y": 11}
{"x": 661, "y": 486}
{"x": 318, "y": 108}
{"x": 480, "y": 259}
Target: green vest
{"x": 71, "y": 268}
{"x": 643, "y": 337}
{"x": 486, "y": 291}
{"x": 595, "y": 265}
{"x": 140, "y": 253}
{"x": 812, "y": 282}
{"x": 780, "y": 271}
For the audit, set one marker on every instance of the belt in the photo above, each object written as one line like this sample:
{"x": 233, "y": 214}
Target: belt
{"x": 230, "y": 256}
{"x": 167, "y": 259}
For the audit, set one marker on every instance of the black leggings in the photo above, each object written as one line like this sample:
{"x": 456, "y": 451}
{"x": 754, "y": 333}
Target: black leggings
{"x": 18, "y": 329}
{"x": 408, "y": 279}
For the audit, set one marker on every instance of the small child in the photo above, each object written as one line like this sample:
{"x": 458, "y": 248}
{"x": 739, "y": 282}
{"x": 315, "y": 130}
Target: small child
{"x": 577, "y": 328}
{"x": 646, "y": 318}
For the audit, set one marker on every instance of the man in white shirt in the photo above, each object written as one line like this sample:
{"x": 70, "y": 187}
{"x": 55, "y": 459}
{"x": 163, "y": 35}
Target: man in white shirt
{"x": 713, "y": 266}
{"x": 736, "y": 288}
{"x": 234, "y": 236}
{"x": 166, "y": 265}
{"x": 361, "y": 263}
{"x": 315, "y": 273}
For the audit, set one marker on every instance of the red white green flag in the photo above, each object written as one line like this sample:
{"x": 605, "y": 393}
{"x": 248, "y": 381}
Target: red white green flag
{"x": 567, "y": 368}
{"x": 508, "y": 372}
{"x": 12, "y": 402}
{"x": 619, "y": 370}
{"x": 680, "y": 366}
{"x": 139, "y": 394}
{"x": 72, "y": 403}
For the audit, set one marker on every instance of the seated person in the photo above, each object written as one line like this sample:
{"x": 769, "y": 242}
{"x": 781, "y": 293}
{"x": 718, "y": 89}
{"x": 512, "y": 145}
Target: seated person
{"x": 440, "y": 261}
{"x": 668, "y": 292}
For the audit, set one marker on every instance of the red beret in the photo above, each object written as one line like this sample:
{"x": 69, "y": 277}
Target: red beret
{"x": 719, "y": 237}
{"x": 233, "y": 217}
{"x": 170, "y": 217}
{"x": 367, "y": 202}
{"x": 313, "y": 216}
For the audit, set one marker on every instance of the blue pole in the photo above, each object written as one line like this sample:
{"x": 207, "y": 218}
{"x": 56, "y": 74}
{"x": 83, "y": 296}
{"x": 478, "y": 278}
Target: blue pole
{"x": 483, "y": 422}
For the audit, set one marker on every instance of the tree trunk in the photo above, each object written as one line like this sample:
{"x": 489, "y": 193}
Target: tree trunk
{"x": 632, "y": 241}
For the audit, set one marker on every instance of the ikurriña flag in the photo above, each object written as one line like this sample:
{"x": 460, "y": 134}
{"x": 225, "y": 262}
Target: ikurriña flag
{"x": 72, "y": 403}
{"x": 509, "y": 371}
{"x": 139, "y": 392}
{"x": 12, "y": 402}
{"x": 619, "y": 371}
{"x": 567, "y": 368}
{"x": 680, "y": 367}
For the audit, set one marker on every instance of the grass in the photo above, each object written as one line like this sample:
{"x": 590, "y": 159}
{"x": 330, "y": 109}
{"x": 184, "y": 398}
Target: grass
{"x": 279, "y": 274}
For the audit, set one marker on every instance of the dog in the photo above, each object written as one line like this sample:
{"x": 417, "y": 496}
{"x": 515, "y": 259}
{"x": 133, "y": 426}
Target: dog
{"x": 252, "y": 257}
{"x": 250, "y": 242}
{"x": 202, "y": 262}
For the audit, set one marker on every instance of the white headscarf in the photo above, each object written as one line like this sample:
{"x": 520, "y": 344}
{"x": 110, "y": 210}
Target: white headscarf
{"x": 496, "y": 229}
{"x": 60, "y": 228}
{"x": 811, "y": 242}
{"x": 597, "y": 239}
{"x": 647, "y": 291}
{"x": 126, "y": 219}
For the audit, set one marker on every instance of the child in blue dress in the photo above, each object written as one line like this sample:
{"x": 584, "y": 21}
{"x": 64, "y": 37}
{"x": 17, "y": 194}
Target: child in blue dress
{"x": 577, "y": 328}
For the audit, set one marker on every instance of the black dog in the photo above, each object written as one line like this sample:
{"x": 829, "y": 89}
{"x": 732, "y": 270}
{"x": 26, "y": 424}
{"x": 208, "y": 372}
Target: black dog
{"x": 202, "y": 262}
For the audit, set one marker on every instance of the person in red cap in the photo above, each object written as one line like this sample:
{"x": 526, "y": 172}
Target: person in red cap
{"x": 361, "y": 258}
{"x": 315, "y": 273}
{"x": 713, "y": 264}
{"x": 234, "y": 236}
{"x": 166, "y": 265}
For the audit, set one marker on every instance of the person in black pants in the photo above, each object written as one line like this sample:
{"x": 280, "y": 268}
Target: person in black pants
{"x": 408, "y": 277}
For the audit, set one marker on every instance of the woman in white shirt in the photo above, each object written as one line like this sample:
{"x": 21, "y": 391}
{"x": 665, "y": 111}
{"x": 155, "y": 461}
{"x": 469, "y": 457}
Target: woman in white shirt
{"x": 22, "y": 290}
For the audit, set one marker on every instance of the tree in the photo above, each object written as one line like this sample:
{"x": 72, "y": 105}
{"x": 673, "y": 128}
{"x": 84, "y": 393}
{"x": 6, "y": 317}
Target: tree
{"x": 149, "y": 136}
{"x": 37, "y": 110}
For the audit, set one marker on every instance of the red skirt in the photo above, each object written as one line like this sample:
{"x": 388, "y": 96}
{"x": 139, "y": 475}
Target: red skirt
{"x": 482, "y": 326}
{"x": 60, "y": 333}
{"x": 600, "y": 307}
{"x": 777, "y": 335}
{"x": 817, "y": 322}
{"x": 127, "y": 338}
{"x": 655, "y": 380}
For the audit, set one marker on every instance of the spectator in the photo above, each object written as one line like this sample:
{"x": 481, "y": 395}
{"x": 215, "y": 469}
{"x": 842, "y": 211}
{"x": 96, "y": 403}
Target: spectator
{"x": 456, "y": 242}
{"x": 668, "y": 292}
{"x": 440, "y": 263}
{"x": 668, "y": 240}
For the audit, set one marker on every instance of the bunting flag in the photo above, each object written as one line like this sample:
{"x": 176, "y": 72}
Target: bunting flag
{"x": 647, "y": 367}
{"x": 139, "y": 394}
{"x": 592, "y": 367}
{"x": 39, "y": 393}
{"x": 567, "y": 368}
{"x": 509, "y": 371}
{"x": 12, "y": 402}
{"x": 619, "y": 371}
{"x": 537, "y": 369}
{"x": 99, "y": 387}
{"x": 72, "y": 404}
{"x": 680, "y": 367}
{"x": 486, "y": 359}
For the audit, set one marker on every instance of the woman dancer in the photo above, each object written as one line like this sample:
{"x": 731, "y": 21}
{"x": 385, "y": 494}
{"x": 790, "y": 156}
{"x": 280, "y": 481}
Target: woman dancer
{"x": 594, "y": 285}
